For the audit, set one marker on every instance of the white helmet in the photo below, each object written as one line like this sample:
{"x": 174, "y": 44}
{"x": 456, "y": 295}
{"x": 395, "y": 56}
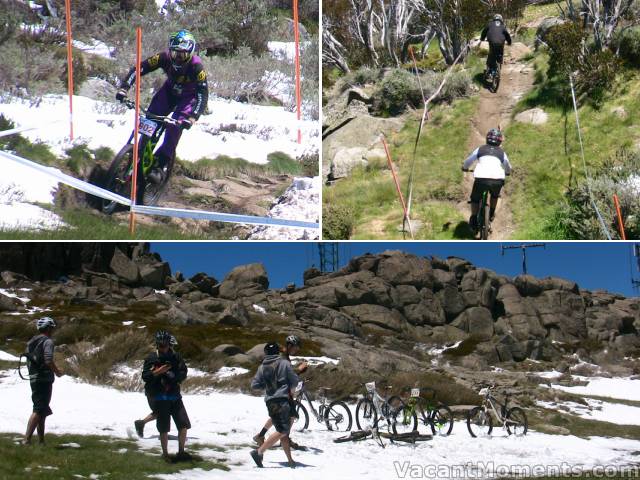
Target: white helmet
{"x": 45, "y": 322}
{"x": 497, "y": 17}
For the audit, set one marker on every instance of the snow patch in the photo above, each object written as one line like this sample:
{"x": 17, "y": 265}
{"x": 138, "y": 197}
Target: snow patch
{"x": 127, "y": 323}
{"x": 437, "y": 351}
{"x": 8, "y": 357}
{"x": 226, "y": 372}
{"x": 598, "y": 410}
{"x": 70, "y": 445}
{"x": 8, "y": 293}
{"x": 623, "y": 388}
{"x": 317, "y": 360}
{"x": 299, "y": 202}
{"x": 259, "y": 309}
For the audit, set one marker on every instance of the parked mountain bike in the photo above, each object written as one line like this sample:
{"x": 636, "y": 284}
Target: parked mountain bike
{"x": 335, "y": 415}
{"x": 373, "y": 407}
{"x": 480, "y": 419}
{"x": 120, "y": 174}
{"x": 431, "y": 413}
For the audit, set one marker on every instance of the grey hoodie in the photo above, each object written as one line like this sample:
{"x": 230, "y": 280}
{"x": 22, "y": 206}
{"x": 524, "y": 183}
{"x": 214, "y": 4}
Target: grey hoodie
{"x": 276, "y": 376}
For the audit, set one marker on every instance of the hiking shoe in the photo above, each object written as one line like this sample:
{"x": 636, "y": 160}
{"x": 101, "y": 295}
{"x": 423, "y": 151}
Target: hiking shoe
{"x": 259, "y": 439}
{"x": 292, "y": 464}
{"x": 257, "y": 458}
{"x": 157, "y": 175}
{"x": 183, "y": 457}
{"x": 139, "y": 424}
{"x": 295, "y": 446}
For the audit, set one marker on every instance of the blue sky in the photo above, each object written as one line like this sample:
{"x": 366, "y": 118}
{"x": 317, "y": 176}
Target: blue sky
{"x": 605, "y": 265}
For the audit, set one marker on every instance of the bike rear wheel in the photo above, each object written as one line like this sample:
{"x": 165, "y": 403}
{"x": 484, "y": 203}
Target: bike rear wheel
{"x": 118, "y": 178}
{"x": 302, "y": 421}
{"x": 337, "y": 416}
{"x": 441, "y": 420}
{"x": 517, "y": 422}
{"x": 366, "y": 415}
{"x": 486, "y": 217}
{"x": 153, "y": 192}
{"x": 479, "y": 422}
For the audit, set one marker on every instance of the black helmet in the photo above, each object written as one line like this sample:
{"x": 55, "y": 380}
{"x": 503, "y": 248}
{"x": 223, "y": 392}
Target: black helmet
{"x": 294, "y": 340}
{"x": 163, "y": 337}
{"x": 271, "y": 348}
{"x": 495, "y": 137}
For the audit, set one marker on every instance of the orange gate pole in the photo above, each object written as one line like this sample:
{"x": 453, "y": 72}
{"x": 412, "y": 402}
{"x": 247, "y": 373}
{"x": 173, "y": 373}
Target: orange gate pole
{"x": 134, "y": 184}
{"x": 619, "y": 212}
{"x": 296, "y": 33}
{"x": 395, "y": 180}
{"x": 69, "y": 66}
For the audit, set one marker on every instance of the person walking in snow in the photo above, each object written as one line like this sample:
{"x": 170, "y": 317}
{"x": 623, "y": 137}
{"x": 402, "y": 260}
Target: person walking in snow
{"x": 139, "y": 424}
{"x": 163, "y": 371}
{"x": 42, "y": 373}
{"x": 185, "y": 93}
{"x": 276, "y": 376}
{"x": 293, "y": 344}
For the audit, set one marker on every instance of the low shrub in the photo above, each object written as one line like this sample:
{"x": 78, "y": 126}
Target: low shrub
{"x": 337, "y": 222}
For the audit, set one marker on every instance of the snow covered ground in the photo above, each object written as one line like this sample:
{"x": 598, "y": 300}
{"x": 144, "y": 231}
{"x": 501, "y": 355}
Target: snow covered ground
{"x": 301, "y": 202}
{"x": 621, "y": 388}
{"x": 229, "y": 420}
{"x": 234, "y": 129}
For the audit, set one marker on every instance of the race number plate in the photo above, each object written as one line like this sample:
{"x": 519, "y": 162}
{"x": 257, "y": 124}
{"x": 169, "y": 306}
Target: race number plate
{"x": 415, "y": 392}
{"x": 371, "y": 386}
{"x": 147, "y": 127}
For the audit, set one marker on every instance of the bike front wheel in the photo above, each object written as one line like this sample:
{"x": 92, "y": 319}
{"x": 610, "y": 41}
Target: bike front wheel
{"x": 118, "y": 178}
{"x": 517, "y": 422}
{"x": 441, "y": 420}
{"x": 479, "y": 422}
{"x": 337, "y": 416}
{"x": 366, "y": 415}
{"x": 301, "y": 422}
{"x": 404, "y": 420}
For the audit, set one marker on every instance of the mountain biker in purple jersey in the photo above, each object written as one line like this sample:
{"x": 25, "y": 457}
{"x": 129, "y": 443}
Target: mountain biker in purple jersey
{"x": 185, "y": 93}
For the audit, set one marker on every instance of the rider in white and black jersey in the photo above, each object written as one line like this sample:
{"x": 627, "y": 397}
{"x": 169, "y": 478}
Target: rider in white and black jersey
{"x": 493, "y": 166}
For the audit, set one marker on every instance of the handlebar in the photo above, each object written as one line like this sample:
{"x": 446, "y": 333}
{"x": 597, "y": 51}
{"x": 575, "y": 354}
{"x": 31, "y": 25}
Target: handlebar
{"x": 131, "y": 105}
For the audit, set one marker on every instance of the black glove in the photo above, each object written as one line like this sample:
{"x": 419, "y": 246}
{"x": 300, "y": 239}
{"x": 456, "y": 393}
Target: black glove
{"x": 186, "y": 123}
{"x": 121, "y": 95}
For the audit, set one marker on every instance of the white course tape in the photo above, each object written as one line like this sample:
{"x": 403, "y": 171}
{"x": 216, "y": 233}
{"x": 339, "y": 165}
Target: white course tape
{"x": 166, "y": 212}
{"x": 222, "y": 217}
{"x": 69, "y": 180}
{"x": 13, "y": 131}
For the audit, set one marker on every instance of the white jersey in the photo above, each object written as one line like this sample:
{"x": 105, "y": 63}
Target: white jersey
{"x": 490, "y": 165}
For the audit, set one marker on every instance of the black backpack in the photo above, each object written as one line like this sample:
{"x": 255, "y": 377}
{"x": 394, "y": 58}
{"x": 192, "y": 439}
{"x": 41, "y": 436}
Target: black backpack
{"x": 34, "y": 360}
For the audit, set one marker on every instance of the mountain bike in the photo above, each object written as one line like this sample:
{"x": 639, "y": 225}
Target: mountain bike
{"x": 119, "y": 177}
{"x": 372, "y": 408}
{"x": 484, "y": 216}
{"x": 436, "y": 415}
{"x": 492, "y": 78}
{"x": 335, "y": 415}
{"x": 479, "y": 419}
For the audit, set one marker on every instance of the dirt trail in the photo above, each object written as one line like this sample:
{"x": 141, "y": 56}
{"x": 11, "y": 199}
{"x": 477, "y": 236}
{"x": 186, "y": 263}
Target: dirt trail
{"x": 495, "y": 109}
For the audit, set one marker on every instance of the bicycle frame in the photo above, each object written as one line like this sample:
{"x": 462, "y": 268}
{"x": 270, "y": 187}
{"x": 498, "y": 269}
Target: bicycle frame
{"x": 489, "y": 404}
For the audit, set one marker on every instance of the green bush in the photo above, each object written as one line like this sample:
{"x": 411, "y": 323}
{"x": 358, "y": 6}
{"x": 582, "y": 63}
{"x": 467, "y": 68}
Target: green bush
{"x": 78, "y": 158}
{"x": 280, "y": 162}
{"x": 398, "y": 90}
{"x": 628, "y": 44}
{"x": 361, "y": 76}
{"x": 577, "y": 218}
{"x": 38, "y": 152}
{"x": 337, "y": 222}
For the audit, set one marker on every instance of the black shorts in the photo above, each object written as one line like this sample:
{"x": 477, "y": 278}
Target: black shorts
{"x": 292, "y": 409}
{"x": 486, "y": 184}
{"x": 41, "y": 397}
{"x": 280, "y": 413}
{"x": 167, "y": 409}
{"x": 152, "y": 403}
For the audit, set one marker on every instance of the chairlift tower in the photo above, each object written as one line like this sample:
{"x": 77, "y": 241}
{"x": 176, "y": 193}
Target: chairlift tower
{"x": 329, "y": 259}
{"x": 635, "y": 281}
{"x": 522, "y": 247}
